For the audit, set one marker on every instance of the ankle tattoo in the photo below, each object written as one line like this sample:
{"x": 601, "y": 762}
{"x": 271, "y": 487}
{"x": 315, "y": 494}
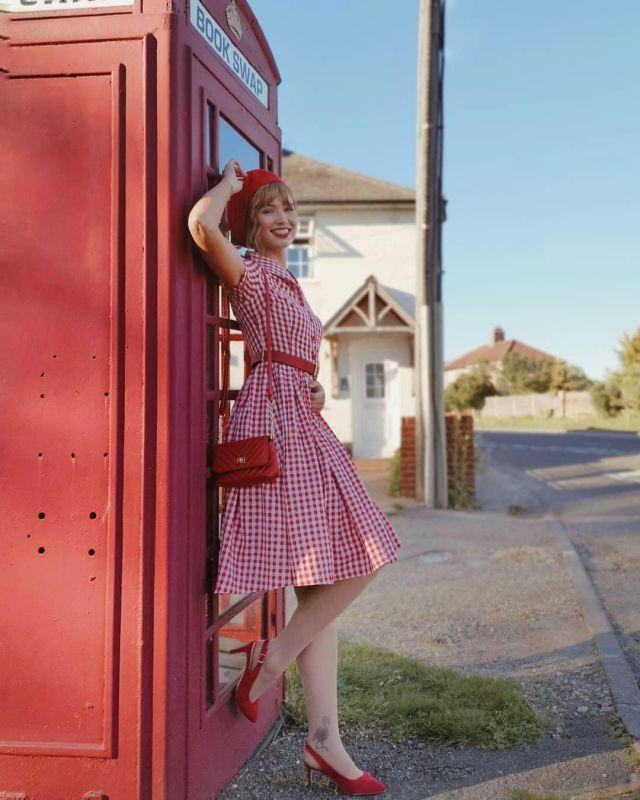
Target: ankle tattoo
{"x": 321, "y": 735}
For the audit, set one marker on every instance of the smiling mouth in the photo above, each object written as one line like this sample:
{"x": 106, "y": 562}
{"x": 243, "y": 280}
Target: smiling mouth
{"x": 281, "y": 232}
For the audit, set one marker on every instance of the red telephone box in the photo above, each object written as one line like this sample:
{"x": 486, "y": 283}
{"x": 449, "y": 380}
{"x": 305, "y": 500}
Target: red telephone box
{"x": 116, "y": 678}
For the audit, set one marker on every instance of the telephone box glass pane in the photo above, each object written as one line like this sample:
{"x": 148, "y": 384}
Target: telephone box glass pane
{"x": 209, "y": 119}
{"x": 244, "y": 627}
{"x": 232, "y": 144}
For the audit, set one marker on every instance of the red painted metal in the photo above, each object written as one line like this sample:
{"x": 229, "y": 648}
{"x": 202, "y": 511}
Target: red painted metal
{"x": 116, "y": 682}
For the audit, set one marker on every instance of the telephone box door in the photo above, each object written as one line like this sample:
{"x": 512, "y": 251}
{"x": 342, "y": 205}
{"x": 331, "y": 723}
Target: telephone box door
{"x": 222, "y": 128}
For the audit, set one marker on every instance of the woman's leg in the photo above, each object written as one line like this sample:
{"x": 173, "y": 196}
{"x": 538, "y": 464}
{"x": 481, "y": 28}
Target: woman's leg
{"x": 317, "y": 607}
{"x": 318, "y": 665}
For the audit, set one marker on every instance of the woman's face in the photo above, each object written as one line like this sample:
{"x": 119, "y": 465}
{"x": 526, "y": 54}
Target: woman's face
{"x": 278, "y": 224}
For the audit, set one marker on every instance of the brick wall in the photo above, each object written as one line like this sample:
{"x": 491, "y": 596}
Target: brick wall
{"x": 461, "y": 461}
{"x": 461, "y": 467}
{"x": 408, "y": 457}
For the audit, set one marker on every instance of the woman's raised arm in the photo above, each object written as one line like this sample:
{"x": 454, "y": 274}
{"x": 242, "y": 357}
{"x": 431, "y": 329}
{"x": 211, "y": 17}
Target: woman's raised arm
{"x": 204, "y": 225}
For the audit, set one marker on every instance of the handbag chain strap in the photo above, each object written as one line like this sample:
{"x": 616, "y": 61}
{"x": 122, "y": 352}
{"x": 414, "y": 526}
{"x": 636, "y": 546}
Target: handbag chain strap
{"x": 223, "y": 417}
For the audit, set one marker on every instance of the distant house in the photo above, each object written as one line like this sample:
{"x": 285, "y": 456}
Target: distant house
{"x": 494, "y": 353}
{"x": 355, "y": 258}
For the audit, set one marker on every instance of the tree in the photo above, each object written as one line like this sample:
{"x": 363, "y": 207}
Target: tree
{"x": 606, "y": 397}
{"x": 514, "y": 374}
{"x": 468, "y": 391}
{"x": 578, "y": 381}
{"x": 521, "y": 375}
{"x": 540, "y": 375}
{"x": 630, "y": 354}
{"x": 630, "y": 387}
{"x": 482, "y": 369}
{"x": 629, "y": 376}
{"x": 559, "y": 376}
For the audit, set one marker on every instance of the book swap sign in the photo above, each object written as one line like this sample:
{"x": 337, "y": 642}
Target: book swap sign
{"x": 18, "y": 6}
{"x": 225, "y": 49}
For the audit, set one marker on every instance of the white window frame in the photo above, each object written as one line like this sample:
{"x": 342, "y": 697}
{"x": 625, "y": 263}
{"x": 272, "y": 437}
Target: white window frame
{"x": 300, "y": 246}
{"x": 306, "y": 228}
{"x": 304, "y": 238}
{"x": 369, "y": 384}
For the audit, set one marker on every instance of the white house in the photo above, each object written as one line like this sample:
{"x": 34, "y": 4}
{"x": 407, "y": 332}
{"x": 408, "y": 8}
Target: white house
{"x": 355, "y": 258}
{"x": 493, "y": 354}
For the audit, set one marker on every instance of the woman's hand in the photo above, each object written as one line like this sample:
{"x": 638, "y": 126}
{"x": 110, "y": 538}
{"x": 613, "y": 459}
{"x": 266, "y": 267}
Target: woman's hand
{"x": 205, "y": 227}
{"x": 207, "y": 212}
{"x": 234, "y": 175}
{"x": 317, "y": 395}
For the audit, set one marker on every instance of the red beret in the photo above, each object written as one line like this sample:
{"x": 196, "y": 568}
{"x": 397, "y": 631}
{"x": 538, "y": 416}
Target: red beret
{"x": 239, "y": 202}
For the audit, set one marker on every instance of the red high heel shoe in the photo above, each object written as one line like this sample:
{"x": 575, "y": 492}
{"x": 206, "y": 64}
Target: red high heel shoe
{"x": 243, "y": 687}
{"x": 365, "y": 784}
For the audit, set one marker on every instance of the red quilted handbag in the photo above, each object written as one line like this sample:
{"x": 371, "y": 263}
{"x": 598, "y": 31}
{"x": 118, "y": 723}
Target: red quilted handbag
{"x": 245, "y": 462}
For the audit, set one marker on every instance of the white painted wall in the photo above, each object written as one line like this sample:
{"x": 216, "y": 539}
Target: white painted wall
{"x": 349, "y": 246}
{"x": 352, "y": 244}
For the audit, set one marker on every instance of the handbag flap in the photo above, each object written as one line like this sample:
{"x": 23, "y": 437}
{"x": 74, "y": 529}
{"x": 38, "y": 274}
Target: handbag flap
{"x": 242, "y": 454}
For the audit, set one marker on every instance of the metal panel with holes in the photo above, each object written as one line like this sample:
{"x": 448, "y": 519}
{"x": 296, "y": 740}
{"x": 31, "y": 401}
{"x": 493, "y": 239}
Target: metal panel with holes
{"x": 116, "y": 677}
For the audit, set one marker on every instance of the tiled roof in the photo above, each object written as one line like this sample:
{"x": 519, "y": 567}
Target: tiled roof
{"x": 316, "y": 182}
{"x": 497, "y": 352}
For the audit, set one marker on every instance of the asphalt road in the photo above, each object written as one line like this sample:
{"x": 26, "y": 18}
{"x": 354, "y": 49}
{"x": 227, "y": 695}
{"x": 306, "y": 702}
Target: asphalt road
{"x": 592, "y": 482}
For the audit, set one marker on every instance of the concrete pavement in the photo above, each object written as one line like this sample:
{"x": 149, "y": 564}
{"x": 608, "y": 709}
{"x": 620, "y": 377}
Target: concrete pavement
{"x": 579, "y": 620}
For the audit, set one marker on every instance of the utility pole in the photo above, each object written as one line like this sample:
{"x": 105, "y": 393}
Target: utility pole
{"x": 431, "y": 450}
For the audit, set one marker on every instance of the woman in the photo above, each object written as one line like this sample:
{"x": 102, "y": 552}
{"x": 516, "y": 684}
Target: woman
{"x": 316, "y": 527}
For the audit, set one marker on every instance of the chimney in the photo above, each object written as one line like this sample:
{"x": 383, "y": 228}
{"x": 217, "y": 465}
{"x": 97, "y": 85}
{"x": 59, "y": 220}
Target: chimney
{"x": 497, "y": 335}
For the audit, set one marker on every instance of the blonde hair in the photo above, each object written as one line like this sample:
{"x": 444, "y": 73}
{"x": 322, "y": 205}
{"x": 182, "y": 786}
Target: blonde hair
{"x": 266, "y": 194}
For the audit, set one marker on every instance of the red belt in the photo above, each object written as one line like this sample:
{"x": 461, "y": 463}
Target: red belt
{"x": 294, "y": 361}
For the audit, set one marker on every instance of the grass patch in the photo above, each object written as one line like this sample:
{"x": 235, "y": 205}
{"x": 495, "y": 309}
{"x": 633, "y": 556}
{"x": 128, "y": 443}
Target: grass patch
{"x": 624, "y": 422}
{"x": 394, "y": 474}
{"x": 614, "y": 727}
{"x": 631, "y": 756}
{"x": 515, "y": 510}
{"x": 414, "y": 701}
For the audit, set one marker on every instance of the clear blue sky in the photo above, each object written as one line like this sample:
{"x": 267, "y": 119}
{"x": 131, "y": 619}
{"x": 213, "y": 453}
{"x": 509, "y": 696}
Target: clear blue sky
{"x": 542, "y": 151}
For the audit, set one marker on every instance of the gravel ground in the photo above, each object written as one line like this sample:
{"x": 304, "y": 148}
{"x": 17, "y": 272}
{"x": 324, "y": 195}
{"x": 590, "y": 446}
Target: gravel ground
{"x": 483, "y": 593}
{"x": 413, "y": 770}
{"x": 603, "y": 525}
{"x": 578, "y": 703}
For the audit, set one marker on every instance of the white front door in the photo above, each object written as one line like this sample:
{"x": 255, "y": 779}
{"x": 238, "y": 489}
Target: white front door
{"x": 375, "y": 400}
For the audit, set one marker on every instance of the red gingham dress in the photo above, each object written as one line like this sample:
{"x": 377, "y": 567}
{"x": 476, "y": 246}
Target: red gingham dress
{"x": 316, "y": 523}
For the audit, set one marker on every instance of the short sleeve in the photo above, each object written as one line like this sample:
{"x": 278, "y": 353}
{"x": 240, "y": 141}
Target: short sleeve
{"x": 249, "y": 291}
